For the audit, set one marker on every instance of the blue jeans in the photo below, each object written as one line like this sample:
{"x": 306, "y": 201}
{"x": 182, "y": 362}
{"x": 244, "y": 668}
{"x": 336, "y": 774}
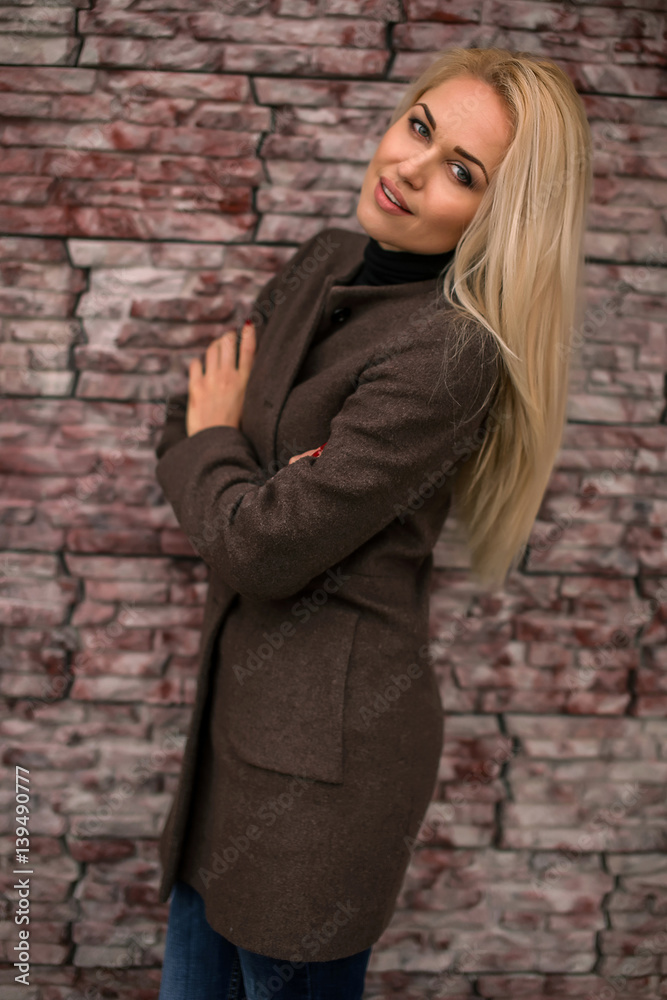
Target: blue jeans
{"x": 200, "y": 964}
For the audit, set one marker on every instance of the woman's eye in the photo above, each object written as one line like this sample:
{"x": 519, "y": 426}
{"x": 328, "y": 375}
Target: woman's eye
{"x": 466, "y": 179}
{"x": 418, "y": 121}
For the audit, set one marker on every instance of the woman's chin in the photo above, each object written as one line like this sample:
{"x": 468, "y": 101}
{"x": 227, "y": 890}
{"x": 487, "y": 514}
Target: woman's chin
{"x": 372, "y": 219}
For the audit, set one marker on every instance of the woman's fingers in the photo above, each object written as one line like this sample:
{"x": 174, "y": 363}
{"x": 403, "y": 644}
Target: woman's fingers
{"x": 216, "y": 353}
{"x": 213, "y": 356}
{"x": 247, "y": 349}
{"x": 227, "y": 349}
{"x": 195, "y": 369}
{"x": 217, "y": 392}
{"x": 295, "y": 458}
{"x": 221, "y": 352}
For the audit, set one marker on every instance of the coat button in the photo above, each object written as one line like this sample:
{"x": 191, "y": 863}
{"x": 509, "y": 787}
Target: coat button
{"x": 340, "y": 315}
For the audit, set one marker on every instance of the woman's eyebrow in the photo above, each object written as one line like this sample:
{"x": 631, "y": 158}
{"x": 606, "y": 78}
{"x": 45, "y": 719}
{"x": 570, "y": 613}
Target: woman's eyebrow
{"x": 458, "y": 149}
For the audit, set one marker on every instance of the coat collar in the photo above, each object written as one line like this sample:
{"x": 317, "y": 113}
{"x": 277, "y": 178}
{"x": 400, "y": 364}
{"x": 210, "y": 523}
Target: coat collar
{"x": 295, "y": 324}
{"x": 348, "y": 259}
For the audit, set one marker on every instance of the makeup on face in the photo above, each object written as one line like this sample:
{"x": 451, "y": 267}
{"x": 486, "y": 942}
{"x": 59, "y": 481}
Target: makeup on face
{"x": 435, "y": 164}
{"x": 385, "y": 202}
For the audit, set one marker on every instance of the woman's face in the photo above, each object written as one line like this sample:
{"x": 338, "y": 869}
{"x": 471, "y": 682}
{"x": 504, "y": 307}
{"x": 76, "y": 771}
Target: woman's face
{"x": 424, "y": 163}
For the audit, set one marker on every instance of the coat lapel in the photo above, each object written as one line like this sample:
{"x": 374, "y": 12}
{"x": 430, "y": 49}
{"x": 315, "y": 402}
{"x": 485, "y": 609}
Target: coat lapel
{"x": 286, "y": 340}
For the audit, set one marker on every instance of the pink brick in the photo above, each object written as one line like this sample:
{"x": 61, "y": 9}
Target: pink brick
{"x": 450, "y": 11}
{"x": 48, "y": 79}
{"x": 329, "y": 60}
{"x": 124, "y": 689}
{"x": 268, "y": 30}
{"x": 141, "y": 82}
{"x": 108, "y": 22}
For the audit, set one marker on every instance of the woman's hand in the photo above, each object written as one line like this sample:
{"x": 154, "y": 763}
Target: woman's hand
{"x": 313, "y": 451}
{"x": 303, "y": 454}
{"x": 216, "y": 396}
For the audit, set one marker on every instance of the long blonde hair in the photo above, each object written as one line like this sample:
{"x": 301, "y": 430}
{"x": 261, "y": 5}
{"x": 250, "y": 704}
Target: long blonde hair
{"x": 518, "y": 271}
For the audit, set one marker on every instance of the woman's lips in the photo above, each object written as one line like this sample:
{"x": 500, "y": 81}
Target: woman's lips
{"x": 384, "y": 202}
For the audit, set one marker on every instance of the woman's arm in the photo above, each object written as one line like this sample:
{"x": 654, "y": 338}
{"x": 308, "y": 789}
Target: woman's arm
{"x": 403, "y": 424}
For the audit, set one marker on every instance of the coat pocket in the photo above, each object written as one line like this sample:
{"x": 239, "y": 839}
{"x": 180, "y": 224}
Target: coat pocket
{"x": 282, "y": 684}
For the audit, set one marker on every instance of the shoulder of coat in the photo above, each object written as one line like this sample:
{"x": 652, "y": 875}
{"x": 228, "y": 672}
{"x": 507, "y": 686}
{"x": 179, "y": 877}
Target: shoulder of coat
{"x": 460, "y": 332}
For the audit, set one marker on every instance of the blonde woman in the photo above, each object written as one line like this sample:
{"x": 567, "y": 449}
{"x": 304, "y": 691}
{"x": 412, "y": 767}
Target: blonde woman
{"x": 383, "y": 375}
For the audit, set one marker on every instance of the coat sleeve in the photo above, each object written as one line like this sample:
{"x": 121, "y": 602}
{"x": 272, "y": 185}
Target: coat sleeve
{"x": 174, "y": 429}
{"x": 413, "y": 413}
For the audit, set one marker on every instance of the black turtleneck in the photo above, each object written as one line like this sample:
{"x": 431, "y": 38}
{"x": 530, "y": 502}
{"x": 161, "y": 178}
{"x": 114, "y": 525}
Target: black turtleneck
{"x": 392, "y": 267}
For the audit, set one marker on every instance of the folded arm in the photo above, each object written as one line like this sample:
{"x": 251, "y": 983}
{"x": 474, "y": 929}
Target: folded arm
{"x": 411, "y": 412}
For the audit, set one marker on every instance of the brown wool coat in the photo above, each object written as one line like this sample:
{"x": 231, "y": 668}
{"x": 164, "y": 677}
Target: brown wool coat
{"x": 317, "y": 727}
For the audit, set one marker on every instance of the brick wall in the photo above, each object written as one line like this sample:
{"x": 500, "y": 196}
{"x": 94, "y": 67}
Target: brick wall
{"x": 161, "y": 159}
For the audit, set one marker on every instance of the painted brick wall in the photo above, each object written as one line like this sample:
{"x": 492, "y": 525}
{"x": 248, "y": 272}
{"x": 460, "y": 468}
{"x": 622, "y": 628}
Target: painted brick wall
{"x": 161, "y": 159}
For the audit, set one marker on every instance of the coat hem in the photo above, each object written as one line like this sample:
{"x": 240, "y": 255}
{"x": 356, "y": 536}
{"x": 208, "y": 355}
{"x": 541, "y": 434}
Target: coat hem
{"x": 294, "y": 954}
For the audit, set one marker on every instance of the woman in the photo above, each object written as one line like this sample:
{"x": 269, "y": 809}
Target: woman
{"x": 314, "y": 480}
